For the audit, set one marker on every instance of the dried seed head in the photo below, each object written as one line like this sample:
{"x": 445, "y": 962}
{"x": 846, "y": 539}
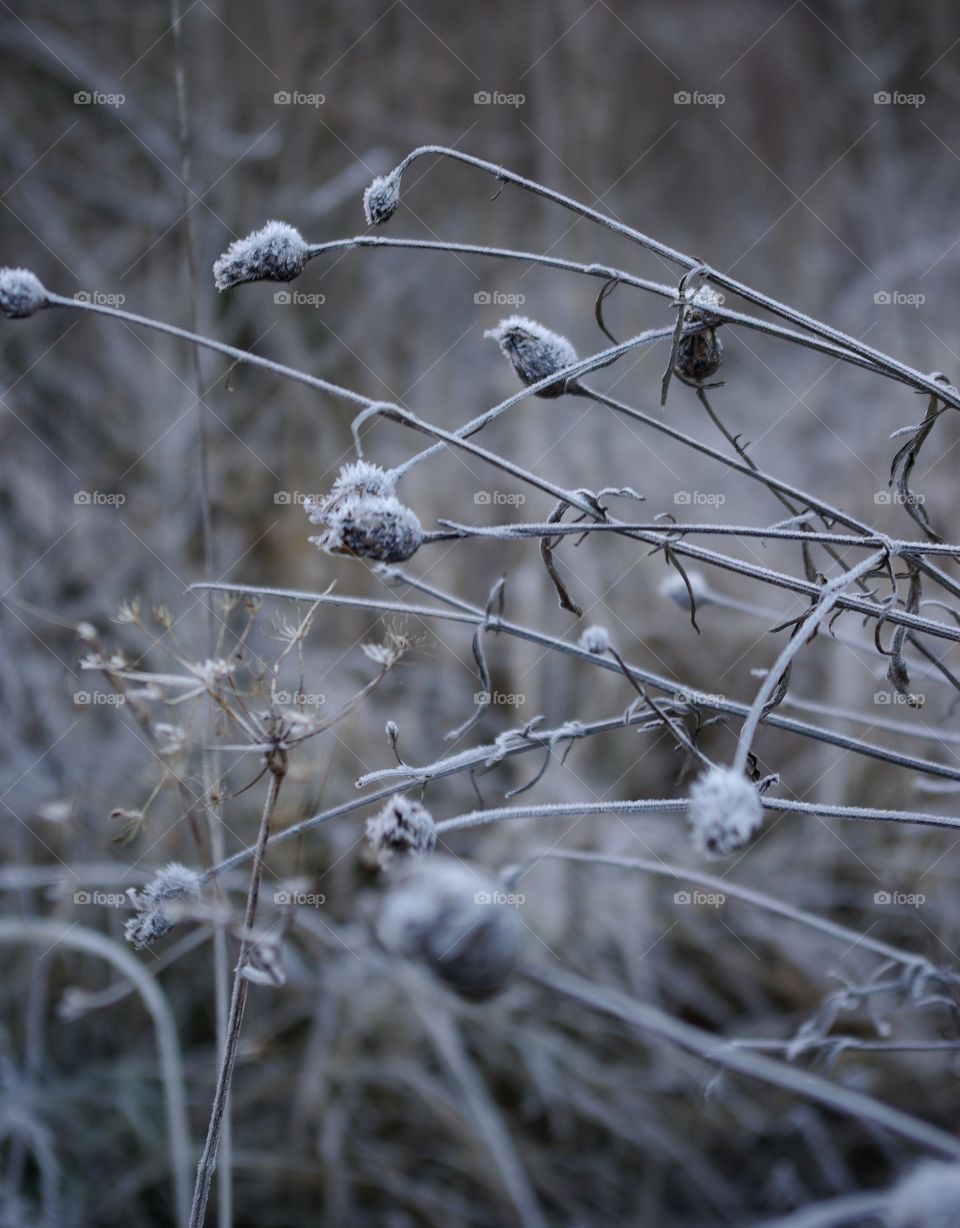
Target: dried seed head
{"x": 21, "y": 293}
{"x": 370, "y": 526}
{"x": 725, "y": 812}
{"x": 381, "y": 198}
{"x": 674, "y": 588}
{"x": 362, "y": 478}
{"x": 928, "y": 1198}
{"x": 174, "y": 885}
{"x": 699, "y": 355}
{"x": 449, "y": 917}
{"x": 534, "y": 351}
{"x": 595, "y": 639}
{"x": 401, "y": 827}
{"x": 276, "y": 252}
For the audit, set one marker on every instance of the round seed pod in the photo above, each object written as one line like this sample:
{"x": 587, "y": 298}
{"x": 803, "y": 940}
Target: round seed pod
{"x": 928, "y": 1198}
{"x": 448, "y": 916}
{"x": 276, "y": 252}
{"x": 595, "y": 639}
{"x": 534, "y": 351}
{"x": 402, "y": 828}
{"x": 381, "y": 198}
{"x": 699, "y": 356}
{"x": 21, "y": 293}
{"x": 725, "y": 812}
{"x": 370, "y": 526}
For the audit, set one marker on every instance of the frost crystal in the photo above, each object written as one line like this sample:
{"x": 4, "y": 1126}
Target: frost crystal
{"x": 453, "y": 919}
{"x": 534, "y": 351}
{"x": 21, "y": 293}
{"x": 175, "y": 884}
{"x": 402, "y": 826}
{"x": 725, "y": 812}
{"x": 381, "y": 198}
{"x": 277, "y": 252}
{"x": 595, "y": 639}
{"x": 928, "y": 1198}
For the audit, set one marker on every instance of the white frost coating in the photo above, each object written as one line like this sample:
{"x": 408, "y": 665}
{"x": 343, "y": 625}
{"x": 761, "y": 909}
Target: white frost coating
{"x": 928, "y": 1198}
{"x": 171, "y": 885}
{"x": 276, "y": 252}
{"x": 370, "y": 526}
{"x": 381, "y": 198}
{"x": 21, "y": 293}
{"x": 403, "y": 826}
{"x": 595, "y": 639}
{"x": 534, "y": 351}
{"x": 725, "y": 812}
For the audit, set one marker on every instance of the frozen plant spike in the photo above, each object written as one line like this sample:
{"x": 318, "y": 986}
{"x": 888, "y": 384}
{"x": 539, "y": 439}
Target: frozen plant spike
{"x": 402, "y": 827}
{"x": 21, "y": 293}
{"x": 725, "y": 812}
{"x": 534, "y": 351}
{"x": 451, "y": 918}
{"x": 174, "y": 885}
{"x": 276, "y": 252}
{"x": 928, "y": 1198}
{"x": 381, "y": 198}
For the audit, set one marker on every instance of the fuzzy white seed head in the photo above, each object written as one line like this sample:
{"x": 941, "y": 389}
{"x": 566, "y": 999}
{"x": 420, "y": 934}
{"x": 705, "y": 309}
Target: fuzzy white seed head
{"x": 175, "y": 885}
{"x": 371, "y": 526}
{"x": 362, "y": 478}
{"x": 674, "y": 588}
{"x": 402, "y": 827}
{"x": 21, "y": 293}
{"x": 276, "y": 252}
{"x": 534, "y": 351}
{"x": 448, "y": 916}
{"x": 725, "y": 812}
{"x": 595, "y": 639}
{"x": 381, "y": 198}
{"x": 928, "y": 1198}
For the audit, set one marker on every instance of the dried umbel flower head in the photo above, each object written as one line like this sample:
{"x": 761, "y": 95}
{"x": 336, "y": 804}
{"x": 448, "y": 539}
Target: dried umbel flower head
{"x": 675, "y": 588}
{"x": 401, "y": 828}
{"x": 370, "y": 526}
{"x": 381, "y": 198}
{"x": 928, "y": 1198}
{"x": 595, "y": 639}
{"x": 534, "y": 351}
{"x": 276, "y": 252}
{"x": 450, "y": 917}
{"x": 725, "y": 812}
{"x": 160, "y": 904}
{"x": 699, "y": 355}
{"x": 21, "y": 293}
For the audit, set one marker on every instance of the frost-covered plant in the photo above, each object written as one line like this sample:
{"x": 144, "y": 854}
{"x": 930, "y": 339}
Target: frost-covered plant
{"x": 449, "y": 916}
{"x": 725, "y": 812}
{"x": 381, "y": 198}
{"x": 402, "y": 827}
{"x": 276, "y": 252}
{"x": 928, "y": 1198}
{"x": 362, "y": 516}
{"x": 595, "y": 639}
{"x": 161, "y": 904}
{"x": 534, "y": 351}
{"x": 21, "y": 293}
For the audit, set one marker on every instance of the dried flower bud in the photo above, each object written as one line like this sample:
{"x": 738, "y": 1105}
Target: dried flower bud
{"x": 595, "y": 639}
{"x": 277, "y": 252}
{"x": 699, "y": 354}
{"x": 381, "y": 198}
{"x": 370, "y": 526}
{"x": 175, "y": 885}
{"x": 21, "y": 293}
{"x": 928, "y": 1198}
{"x": 401, "y": 827}
{"x": 725, "y": 812}
{"x": 534, "y": 351}
{"x": 448, "y": 916}
{"x": 674, "y": 588}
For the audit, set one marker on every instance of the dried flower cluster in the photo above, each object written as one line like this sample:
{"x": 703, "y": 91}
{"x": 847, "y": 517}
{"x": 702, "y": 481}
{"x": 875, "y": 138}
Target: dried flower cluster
{"x": 534, "y": 351}
{"x": 725, "y": 812}
{"x": 174, "y": 885}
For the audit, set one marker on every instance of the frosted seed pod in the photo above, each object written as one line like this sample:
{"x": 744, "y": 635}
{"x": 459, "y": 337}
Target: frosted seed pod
{"x": 699, "y": 355}
{"x": 381, "y": 198}
{"x": 595, "y": 639}
{"x": 21, "y": 293}
{"x": 725, "y": 812}
{"x": 276, "y": 252}
{"x": 369, "y": 526}
{"x": 402, "y": 827}
{"x": 159, "y": 904}
{"x": 449, "y": 916}
{"x": 534, "y": 351}
{"x": 674, "y": 588}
